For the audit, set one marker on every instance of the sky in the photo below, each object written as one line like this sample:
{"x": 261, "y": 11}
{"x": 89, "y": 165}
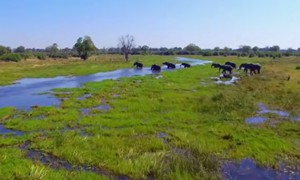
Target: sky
{"x": 155, "y": 23}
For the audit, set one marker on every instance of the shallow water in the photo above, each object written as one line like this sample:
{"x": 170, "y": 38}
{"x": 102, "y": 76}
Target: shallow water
{"x": 263, "y": 109}
{"x": 248, "y": 169}
{"x": 86, "y": 96}
{"x": 31, "y": 91}
{"x": 233, "y": 80}
{"x": 256, "y": 120}
{"x": 5, "y": 131}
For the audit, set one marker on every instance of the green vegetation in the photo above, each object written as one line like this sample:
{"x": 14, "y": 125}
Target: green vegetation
{"x": 11, "y": 57}
{"x": 166, "y": 128}
{"x": 84, "y": 46}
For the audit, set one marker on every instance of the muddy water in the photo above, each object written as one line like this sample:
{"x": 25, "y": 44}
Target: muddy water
{"x": 31, "y": 91}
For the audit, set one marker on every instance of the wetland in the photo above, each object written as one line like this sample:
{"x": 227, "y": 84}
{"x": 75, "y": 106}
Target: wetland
{"x": 115, "y": 122}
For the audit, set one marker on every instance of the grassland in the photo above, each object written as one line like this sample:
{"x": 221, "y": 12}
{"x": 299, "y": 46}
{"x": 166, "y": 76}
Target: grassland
{"x": 172, "y": 127}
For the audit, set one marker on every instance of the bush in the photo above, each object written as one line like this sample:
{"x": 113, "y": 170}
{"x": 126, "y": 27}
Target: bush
{"x": 297, "y": 67}
{"x": 26, "y": 55}
{"x": 59, "y": 55}
{"x": 207, "y": 53}
{"x": 251, "y": 55}
{"x": 11, "y": 57}
{"x": 40, "y": 56}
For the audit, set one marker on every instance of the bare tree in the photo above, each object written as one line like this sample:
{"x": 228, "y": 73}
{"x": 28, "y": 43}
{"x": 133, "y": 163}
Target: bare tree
{"x": 126, "y": 43}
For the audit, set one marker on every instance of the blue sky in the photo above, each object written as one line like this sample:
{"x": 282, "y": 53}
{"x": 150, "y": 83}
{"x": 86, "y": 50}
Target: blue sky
{"x": 156, "y": 23}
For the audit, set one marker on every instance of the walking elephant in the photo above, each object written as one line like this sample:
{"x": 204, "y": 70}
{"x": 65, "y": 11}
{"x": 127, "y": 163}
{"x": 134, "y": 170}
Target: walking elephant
{"x": 225, "y": 68}
{"x": 155, "y": 67}
{"x": 185, "y": 65}
{"x": 138, "y": 65}
{"x": 169, "y": 65}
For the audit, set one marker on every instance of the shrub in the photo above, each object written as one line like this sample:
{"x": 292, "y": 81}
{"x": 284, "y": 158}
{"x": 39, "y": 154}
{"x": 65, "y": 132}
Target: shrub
{"x": 59, "y": 55}
{"x": 26, "y": 55}
{"x": 207, "y": 53}
{"x": 251, "y": 55}
{"x": 297, "y": 67}
{"x": 11, "y": 57}
{"x": 40, "y": 56}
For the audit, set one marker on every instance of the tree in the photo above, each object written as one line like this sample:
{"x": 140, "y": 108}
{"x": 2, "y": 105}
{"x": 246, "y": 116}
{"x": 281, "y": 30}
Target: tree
{"x": 84, "y": 47}
{"x": 126, "y": 43}
{"x": 192, "y": 48}
{"x": 255, "y": 49}
{"x": 52, "y": 50}
{"x": 145, "y": 49}
{"x": 4, "y": 50}
{"x": 226, "y": 51}
{"x": 20, "y": 49}
{"x": 275, "y": 48}
{"x": 217, "y": 50}
{"x": 245, "y": 48}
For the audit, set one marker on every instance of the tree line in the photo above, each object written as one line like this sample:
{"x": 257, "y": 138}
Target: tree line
{"x": 84, "y": 48}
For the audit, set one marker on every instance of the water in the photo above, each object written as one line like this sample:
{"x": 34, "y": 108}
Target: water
{"x": 248, "y": 169}
{"x": 86, "y": 96}
{"x": 263, "y": 109}
{"x": 5, "y": 131}
{"x": 37, "y": 91}
{"x": 102, "y": 107}
{"x": 256, "y": 120}
{"x": 233, "y": 80}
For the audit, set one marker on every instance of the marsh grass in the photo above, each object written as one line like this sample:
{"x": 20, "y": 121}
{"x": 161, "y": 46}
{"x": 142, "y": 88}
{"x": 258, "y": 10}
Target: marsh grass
{"x": 203, "y": 125}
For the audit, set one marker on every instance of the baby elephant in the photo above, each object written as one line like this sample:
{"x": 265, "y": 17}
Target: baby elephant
{"x": 185, "y": 65}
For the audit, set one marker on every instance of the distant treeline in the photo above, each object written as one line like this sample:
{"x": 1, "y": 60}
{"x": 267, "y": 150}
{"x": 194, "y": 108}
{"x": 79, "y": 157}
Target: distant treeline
{"x": 52, "y": 51}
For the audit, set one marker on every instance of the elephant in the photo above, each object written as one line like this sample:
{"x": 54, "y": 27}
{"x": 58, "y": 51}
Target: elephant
{"x": 185, "y": 65}
{"x": 138, "y": 65}
{"x": 170, "y": 65}
{"x": 243, "y": 66}
{"x": 254, "y": 68}
{"x": 155, "y": 67}
{"x": 215, "y": 65}
{"x": 233, "y": 65}
{"x": 225, "y": 68}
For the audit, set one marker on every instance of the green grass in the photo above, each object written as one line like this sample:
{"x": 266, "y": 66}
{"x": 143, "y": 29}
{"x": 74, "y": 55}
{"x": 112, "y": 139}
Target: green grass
{"x": 14, "y": 165}
{"x": 167, "y": 128}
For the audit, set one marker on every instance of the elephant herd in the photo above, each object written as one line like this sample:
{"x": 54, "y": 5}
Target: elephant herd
{"x": 229, "y": 66}
{"x": 156, "y": 67}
